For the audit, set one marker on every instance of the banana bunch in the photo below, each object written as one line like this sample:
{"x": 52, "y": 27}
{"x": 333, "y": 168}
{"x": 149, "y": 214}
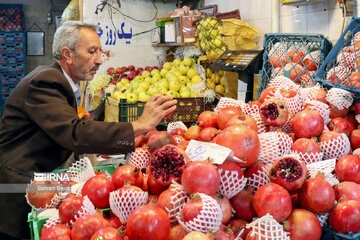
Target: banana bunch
{"x": 216, "y": 80}
{"x": 209, "y": 38}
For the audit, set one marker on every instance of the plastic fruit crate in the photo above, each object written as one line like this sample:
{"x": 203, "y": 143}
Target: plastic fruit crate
{"x": 343, "y": 62}
{"x": 297, "y": 56}
{"x": 330, "y": 234}
{"x": 187, "y": 111}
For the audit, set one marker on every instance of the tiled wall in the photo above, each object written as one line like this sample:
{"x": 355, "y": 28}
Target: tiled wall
{"x": 320, "y": 17}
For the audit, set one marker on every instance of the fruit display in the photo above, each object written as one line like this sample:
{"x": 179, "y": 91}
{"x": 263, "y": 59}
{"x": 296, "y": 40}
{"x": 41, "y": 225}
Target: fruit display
{"x": 208, "y": 36}
{"x": 293, "y": 173}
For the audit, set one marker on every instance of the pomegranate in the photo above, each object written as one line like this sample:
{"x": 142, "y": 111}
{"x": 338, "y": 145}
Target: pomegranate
{"x": 224, "y": 233}
{"x": 201, "y": 176}
{"x": 69, "y": 208}
{"x": 308, "y": 149}
{"x": 171, "y": 201}
{"x": 273, "y": 199}
{"x": 86, "y": 225}
{"x": 237, "y": 225}
{"x": 345, "y": 217}
{"x": 348, "y": 168}
{"x": 307, "y": 123}
{"x": 317, "y": 195}
{"x": 225, "y": 113}
{"x": 341, "y": 124}
{"x": 167, "y": 164}
{"x": 177, "y": 232}
{"x": 303, "y": 224}
{"x": 38, "y": 198}
{"x": 55, "y": 232}
{"x": 98, "y": 189}
{"x": 242, "y": 119}
{"x": 146, "y": 222}
{"x": 196, "y": 235}
{"x": 225, "y": 207}
{"x": 355, "y": 139}
{"x": 159, "y": 139}
{"x": 208, "y": 134}
{"x": 266, "y": 93}
{"x": 274, "y": 112}
{"x": 334, "y": 144}
{"x": 178, "y": 131}
{"x": 242, "y": 204}
{"x": 289, "y": 172}
{"x": 347, "y": 190}
{"x": 129, "y": 174}
{"x": 243, "y": 141}
{"x": 207, "y": 119}
{"x": 336, "y": 112}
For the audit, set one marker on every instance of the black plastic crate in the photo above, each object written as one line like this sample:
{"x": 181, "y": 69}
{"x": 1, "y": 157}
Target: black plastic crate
{"x": 343, "y": 61}
{"x": 330, "y": 234}
{"x": 297, "y": 56}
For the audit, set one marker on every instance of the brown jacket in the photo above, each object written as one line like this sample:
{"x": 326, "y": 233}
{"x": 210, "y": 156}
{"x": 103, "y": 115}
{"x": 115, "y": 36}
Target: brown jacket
{"x": 39, "y": 130}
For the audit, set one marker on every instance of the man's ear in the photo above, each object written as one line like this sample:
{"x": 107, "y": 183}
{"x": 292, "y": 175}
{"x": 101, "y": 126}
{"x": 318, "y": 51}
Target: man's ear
{"x": 67, "y": 54}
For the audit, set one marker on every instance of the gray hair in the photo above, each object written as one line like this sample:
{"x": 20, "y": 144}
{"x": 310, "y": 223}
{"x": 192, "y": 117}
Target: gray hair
{"x": 67, "y": 35}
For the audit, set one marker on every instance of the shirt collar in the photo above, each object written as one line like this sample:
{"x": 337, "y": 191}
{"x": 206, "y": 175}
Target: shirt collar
{"x": 75, "y": 87}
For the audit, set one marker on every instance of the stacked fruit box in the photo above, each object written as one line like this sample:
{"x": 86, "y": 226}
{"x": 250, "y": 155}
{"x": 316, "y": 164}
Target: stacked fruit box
{"x": 341, "y": 67}
{"x": 296, "y": 56}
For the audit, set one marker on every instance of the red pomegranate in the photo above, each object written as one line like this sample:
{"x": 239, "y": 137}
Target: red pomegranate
{"x": 274, "y": 199}
{"x": 307, "y": 124}
{"x": 347, "y": 190}
{"x": 289, "y": 172}
{"x": 242, "y": 204}
{"x": 355, "y": 139}
{"x": 317, "y": 195}
{"x": 303, "y": 224}
{"x": 207, "y": 119}
{"x": 242, "y": 119}
{"x": 345, "y": 217}
{"x": 201, "y": 176}
{"x": 208, "y": 134}
{"x": 274, "y": 112}
{"x": 348, "y": 168}
{"x": 342, "y": 125}
{"x": 160, "y": 138}
{"x": 129, "y": 174}
{"x": 225, "y": 113}
{"x": 243, "y": 141}
{"x": 192, "y": 133}
{"x": 308, "y": 149}
{"x": 266, "y": 93}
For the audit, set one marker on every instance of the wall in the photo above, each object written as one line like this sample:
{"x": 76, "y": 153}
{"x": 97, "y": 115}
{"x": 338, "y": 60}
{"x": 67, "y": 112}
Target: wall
{"x": 122, "y": 36}
{"x": 36, "y": 11}
{"x": 320, "y": 17}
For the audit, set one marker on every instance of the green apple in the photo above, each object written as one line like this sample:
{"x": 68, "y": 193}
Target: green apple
{"x": 174, "y": 85}
{"x": 155, "y": 78}
{"x": 124, "y": 81}
{"x": 172, "y": 93}
{"x": 167, "y": 65}
{"x": 184, "y": 79}
{"x": 196, "y": 79}
{"x": 185, "y": 94}
{"x": 152, "y": 90}
{"x": 191, "y": 72}
{"x": 143, "y": 97}
{"x": 193, "y": 94}
{"x": 139, "y": 78}
{"x": 117, "y": 95}
{"x": 144, "y": 85}
{"x": 131, "y": 98}
{"x": 118, "y": 85}
{"x": 148, "y": 80}
{"x": 184, "y": 88}
{"x": 163, "y": 72}
{"x": 163, "y": 83}
{"x": 145, "y": 74}
{"x": 163, "y": 90}
{"x": 178, "y": 73}
{"x": 172, "y": 78}
{"x": 155, "y": 71}
{"x": 176, "y": 62}
{"x": 183, "y": 69}
{"x": 187, "y": 61}
{"x": 134, "y": 84}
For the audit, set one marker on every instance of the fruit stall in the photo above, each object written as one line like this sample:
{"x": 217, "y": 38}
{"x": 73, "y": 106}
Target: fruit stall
{"x": 277, "y": 158}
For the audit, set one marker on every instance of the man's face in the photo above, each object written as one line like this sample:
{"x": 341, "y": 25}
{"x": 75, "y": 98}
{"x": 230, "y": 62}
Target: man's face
{"x": 87, "y": 56}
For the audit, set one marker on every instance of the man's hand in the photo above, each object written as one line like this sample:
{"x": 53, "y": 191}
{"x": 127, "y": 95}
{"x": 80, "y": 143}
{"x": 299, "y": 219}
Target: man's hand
{"x": 157, "y": 108}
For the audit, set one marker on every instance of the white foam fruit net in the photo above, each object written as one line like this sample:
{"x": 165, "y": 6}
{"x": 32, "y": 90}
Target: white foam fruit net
{"x": 357, "y": 118}
{"x": 174, "y": 125}
{"x": 140, "y": 158}
{"x": 310, "y": 93}
{"x": 81, "y": 170}
{"x": 251, "y": 109}
{"x": 321, "y": 107}
{"x": 209, "y": 218}
{"x": 124, "y": 201}
{"x": 49, "y": 213}
{"x": 336, "y": 147}
{"x": 294, "y": 104}
{"x": 340, "y": 98}
{"x": 260, "y": 178}
{"x": 286, "y": 128}
{"x": 177, "y": 200}
{"x": 309, "y": 157}
{"x": 52, "y": 222}
{"x": 261, "y": 126}
{"x": 230, "y": 183}
{"x": 227, "y": 102}
{"x": 356, "y": 152}
{"x": 326, "y": 168}
{"x": 274, "y": 145}
{"x": 86, "y": 208}
{"x": 285, "y": 82}
{"x": 266, "y": 227}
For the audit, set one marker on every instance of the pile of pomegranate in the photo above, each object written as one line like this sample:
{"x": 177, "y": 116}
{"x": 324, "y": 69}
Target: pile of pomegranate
{"x": 295, "y": 158}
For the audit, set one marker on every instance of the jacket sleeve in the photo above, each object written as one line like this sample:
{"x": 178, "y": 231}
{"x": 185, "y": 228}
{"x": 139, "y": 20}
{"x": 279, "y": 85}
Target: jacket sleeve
{"x": 51, "y": 104}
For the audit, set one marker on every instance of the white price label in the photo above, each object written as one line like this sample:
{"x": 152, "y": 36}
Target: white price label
{"x": 198, "y": 150}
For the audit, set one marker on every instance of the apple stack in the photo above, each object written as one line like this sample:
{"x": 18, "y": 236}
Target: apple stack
{"x": 178, "y": 79}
